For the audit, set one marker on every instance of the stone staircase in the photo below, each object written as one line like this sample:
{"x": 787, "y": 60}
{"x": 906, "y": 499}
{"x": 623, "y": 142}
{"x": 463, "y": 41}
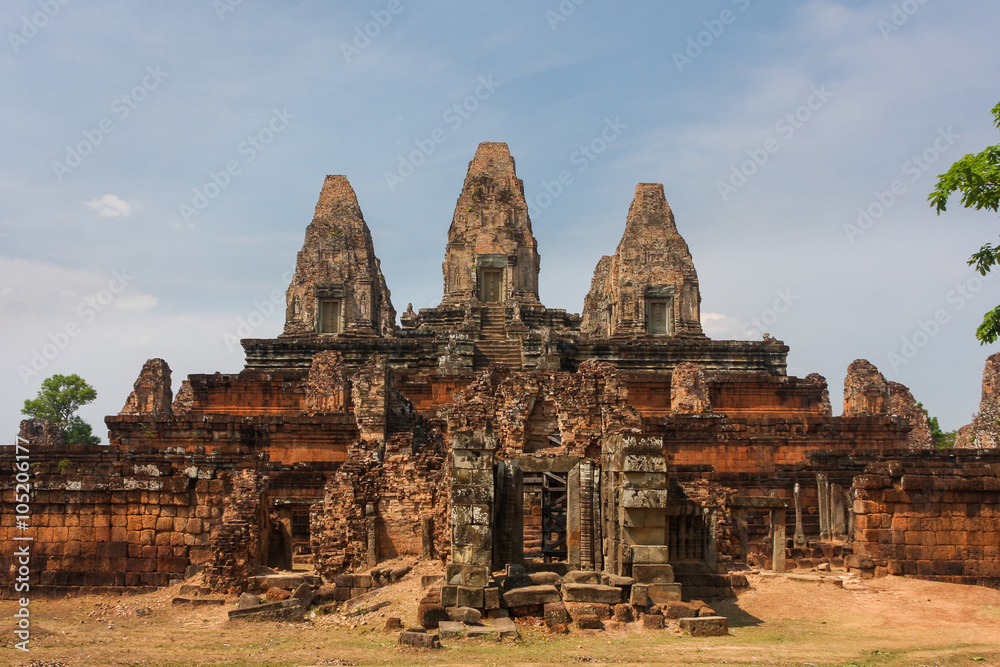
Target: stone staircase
{"x": 700, "y": 583}
{"x": 493, "y": 346}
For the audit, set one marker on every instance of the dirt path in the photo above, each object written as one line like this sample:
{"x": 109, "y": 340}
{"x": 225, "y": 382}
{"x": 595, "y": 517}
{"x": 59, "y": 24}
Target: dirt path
{"x": 779, "y": 621}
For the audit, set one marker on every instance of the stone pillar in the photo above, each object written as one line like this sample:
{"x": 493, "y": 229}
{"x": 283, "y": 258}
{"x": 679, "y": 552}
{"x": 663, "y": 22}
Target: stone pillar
{"x": 471, "y": 520}
{"x": 427, "y": 537}
{"x": 742, "y": 532}
{"x": 711, "y": 548}
{"x": 838, "y": 528}
{"x": 778, "y": 540}
{"x": 800, "y": 535}
{"x": 823, "y": 494}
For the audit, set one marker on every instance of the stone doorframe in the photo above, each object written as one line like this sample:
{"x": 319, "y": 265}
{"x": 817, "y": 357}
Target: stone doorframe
{"x": 778, "y": 510}
{"x": 583, "y": 524}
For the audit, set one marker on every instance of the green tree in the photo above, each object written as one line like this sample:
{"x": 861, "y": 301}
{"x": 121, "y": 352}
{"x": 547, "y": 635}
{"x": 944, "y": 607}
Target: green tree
{"x": 58, "y": 400}
{"x": 977, "y": 177}
{"x": 941, "y": 439}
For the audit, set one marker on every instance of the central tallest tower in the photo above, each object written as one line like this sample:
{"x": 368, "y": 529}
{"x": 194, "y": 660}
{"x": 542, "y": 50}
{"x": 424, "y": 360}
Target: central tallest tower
{"x": 491, "y": 256}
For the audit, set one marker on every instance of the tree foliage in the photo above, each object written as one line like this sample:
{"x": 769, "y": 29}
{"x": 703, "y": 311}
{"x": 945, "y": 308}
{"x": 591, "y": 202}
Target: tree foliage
{"x": 58, "y": 400}
{"x": 977, "y": 178}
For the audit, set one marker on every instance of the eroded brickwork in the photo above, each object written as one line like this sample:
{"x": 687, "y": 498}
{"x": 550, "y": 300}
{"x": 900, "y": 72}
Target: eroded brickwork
{"x": 984, "y": 431}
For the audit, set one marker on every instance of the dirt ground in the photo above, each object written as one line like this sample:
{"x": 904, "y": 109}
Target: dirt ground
{"x": 779, "y": 621}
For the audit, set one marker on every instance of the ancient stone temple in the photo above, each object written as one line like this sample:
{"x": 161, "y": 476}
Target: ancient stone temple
{"x": 621, "y": 460}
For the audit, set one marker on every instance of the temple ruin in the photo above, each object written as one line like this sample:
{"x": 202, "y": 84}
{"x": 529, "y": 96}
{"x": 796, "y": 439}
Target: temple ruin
{"x": 557, "y": 465}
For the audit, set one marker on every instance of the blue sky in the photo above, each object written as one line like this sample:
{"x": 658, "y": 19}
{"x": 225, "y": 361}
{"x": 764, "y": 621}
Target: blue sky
{"x": 161, "y": 160}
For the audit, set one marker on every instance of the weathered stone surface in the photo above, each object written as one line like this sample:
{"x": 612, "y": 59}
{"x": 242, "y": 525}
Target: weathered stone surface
{"x": 689, "y": 390}
{"x": 337, "y": 266}
{"x": 304, "y": 594}
{"x": 588, "y": 622}
{"x": 531, "y": 595}
{"x": 705, "y": 626}
{"x": 623, "y": 613}
{"x": 151, "y": 394}
{"x": 984, "y": 431}
{"x": 392, "y": 624}
{"x": 591, "y": 593}
{"x": 430, "y": 614}
{"x": 652, "y": 265}
{"x": 679, "y": 609}
{"x": 866, "y": 391}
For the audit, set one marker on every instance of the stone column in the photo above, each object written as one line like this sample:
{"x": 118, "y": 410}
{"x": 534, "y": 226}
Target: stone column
{"x": 778, "y": 540}
{"x": 823, "y": 493}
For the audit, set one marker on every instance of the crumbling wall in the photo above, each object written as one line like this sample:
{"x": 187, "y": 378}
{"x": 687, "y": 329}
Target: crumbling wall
{"x": 984, "y": 431}
{"x": 903, "y": 404}
{"x": 238, "y": 543}
{"x": 326, "y": 384}
{"x": 689, "y": 390}
{"x": 929, "y": 518}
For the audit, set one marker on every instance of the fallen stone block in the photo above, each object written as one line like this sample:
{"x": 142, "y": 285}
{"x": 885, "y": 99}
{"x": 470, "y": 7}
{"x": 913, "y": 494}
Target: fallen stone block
{"x": 623, "y": 613}
{"x": 653, "y": 574}
{"x": 481, "y": 632}
{"x": 304, "y": 594}
{"x": 556, "y": 614}
{"x": 678, "y": 609}
{"x": 275, "y": 594}
{"x": 429, "y": 580}
{"x": 531, "y": 595}
{"x": 577, "y": 609}
{"x": 588, "y": 622}
{"x": 451, "y": 629}
{"x": 663, "y": 593}
{"x": 591, "y": 593}
{"x": 464, "y": 614}
{"x": 652, "y": 621}
{"x": 582, "y": 577}
{"x": 430, "y": 614}
{"x": 639, "y": 596}
{"x": 544, "y": 579}
{"x": 505, "y": 628}
{"x": 705, "y": 626}
{"x": 285, "y": 610}
{"x": 393, "y": 623}
{"x": 462, "y": 596}
{"x": 418, "y": 640}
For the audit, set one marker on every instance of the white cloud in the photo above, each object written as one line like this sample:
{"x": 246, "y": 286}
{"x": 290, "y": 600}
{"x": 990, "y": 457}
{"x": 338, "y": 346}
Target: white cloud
{"x": 112, "y": 206}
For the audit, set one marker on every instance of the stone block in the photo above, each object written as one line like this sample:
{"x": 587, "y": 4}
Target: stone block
{"x": 451, "y": 629}
{"x": 466, "y": 575}
{"x": 474, "y": 459}
{"x": 652, "y": 554}
{"x": 248, "y": 601}
{"x": 556, "y": 614}
{"x": 464, "y": 614}
{"x": 462, "y": 596}
{"x": 285, "y": 610}
{"x": 652, "y": 574}
{"x": 623, "y": 613}
{"x": 545, "y": 579}
{"x": 469, "y": 555}
{"x": 651, "y": 621}
{"x": 588, "y": 622}
{"x": 644, "y": 498}
{"x": 577, "y": 609}
{"x": 430, "y": 614}
{"x": 491, "y": 598}
{"x": 582, "y": 577}
{"x": 663, "y": 593}
{"x": 639, "y": 596}
{"x": 645, "y": 480}
{"x": 705, "y": 626}
{"x": 505, "y": 628}
{"x": 418, "y": 639}
{"x": 678, "y": 609}
{"x": 591, "y": 593}
{"x": 531, "y": 595}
